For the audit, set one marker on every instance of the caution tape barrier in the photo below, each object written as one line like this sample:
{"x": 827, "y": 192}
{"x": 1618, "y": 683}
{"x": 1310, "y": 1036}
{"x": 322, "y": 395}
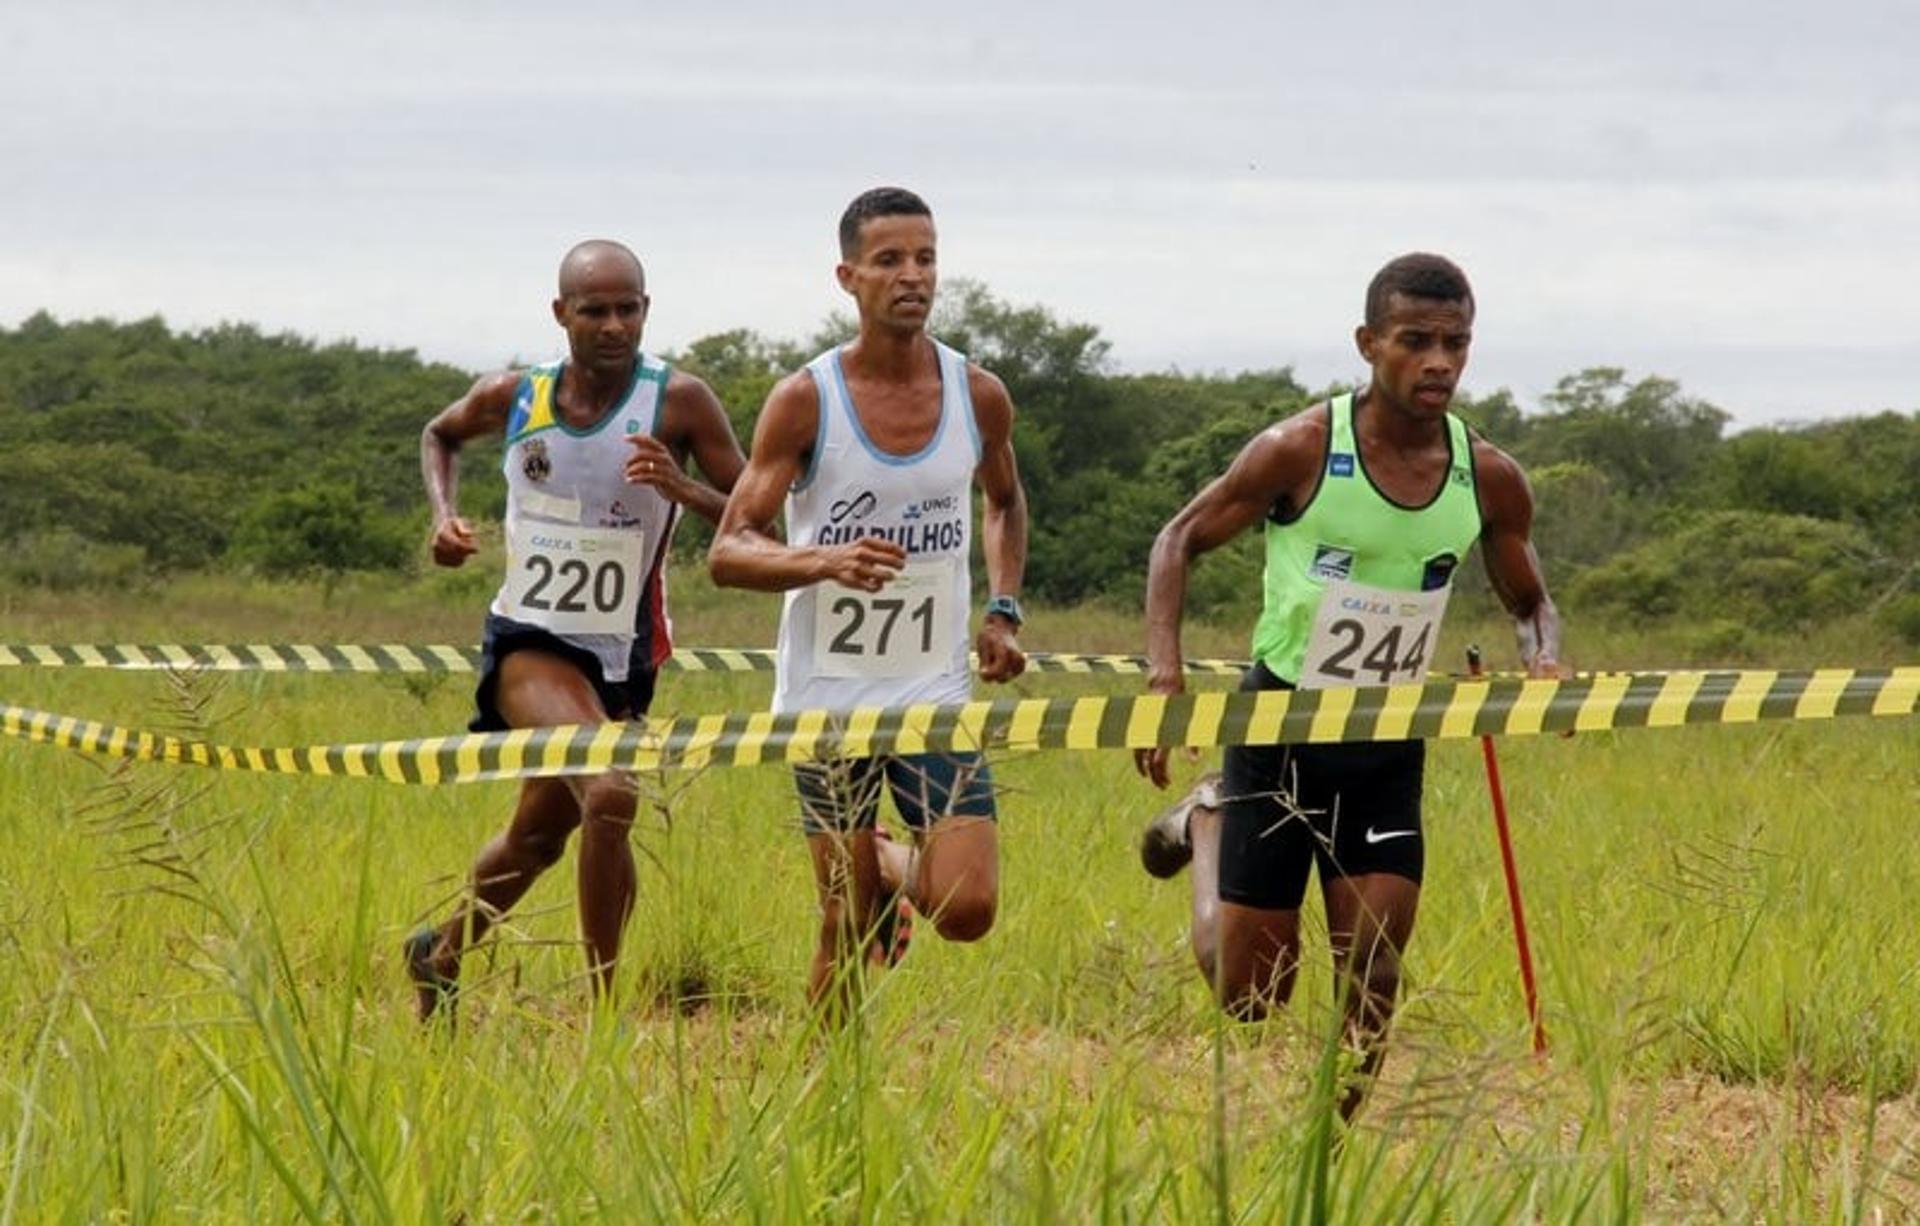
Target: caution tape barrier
{"x": 1441, "y": 710}
{"x": 444, "y": 658}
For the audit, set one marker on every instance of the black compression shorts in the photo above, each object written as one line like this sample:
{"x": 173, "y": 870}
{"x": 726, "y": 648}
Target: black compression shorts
{"x": 1350, "y": 808}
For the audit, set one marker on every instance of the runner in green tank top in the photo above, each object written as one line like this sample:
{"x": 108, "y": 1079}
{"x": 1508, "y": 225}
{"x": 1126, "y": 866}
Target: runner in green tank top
{"x": 1369, "y": 502}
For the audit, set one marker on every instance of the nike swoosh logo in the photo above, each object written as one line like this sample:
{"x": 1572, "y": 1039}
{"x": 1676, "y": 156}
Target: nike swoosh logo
{"x": 1381, "y": 836}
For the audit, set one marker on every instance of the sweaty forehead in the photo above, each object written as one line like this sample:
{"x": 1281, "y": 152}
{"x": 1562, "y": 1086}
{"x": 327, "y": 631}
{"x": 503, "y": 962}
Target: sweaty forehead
{"x": 897, "y": 231}
{"x": 1428, "y": 314}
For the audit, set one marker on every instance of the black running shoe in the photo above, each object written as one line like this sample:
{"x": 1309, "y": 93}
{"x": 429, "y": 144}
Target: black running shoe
{"x": 431, "y": 989}
{"x": 1164, "y": 845}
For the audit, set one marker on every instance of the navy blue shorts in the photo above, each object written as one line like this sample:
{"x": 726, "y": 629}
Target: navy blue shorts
{"x": 627, "y": 699}
{"x": 844, "y": 795}
{"x": 1351, "y": 809}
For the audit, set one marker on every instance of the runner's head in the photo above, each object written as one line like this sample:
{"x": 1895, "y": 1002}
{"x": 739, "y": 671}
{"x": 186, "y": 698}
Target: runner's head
{"x": 602, "y": 304}
{"x": 887, "y": 258}
{"x": 1419, "y": 325}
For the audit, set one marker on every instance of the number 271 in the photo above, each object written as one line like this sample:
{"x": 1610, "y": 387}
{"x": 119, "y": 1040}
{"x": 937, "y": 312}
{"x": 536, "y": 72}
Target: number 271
{"x": 847, "y": 642}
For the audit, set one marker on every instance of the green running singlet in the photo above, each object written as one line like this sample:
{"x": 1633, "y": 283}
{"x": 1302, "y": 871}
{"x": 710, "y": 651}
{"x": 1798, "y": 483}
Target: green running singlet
{"x": 1350, "y": 531}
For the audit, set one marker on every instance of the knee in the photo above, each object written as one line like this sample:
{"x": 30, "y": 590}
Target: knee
{"x": 1378, "y": 975}
{"x": 607, "y": 808}
{"x": 967, "y": 916}
{"x": 543, "y": 847}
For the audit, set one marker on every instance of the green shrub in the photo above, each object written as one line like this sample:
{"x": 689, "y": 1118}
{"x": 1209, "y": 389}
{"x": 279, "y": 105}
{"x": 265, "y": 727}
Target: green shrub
{"x": 1902, "y": 616}
{"x": 1768, "y": 571}
{"x": 320, "y": 529}
{"x": 64, "y": 560}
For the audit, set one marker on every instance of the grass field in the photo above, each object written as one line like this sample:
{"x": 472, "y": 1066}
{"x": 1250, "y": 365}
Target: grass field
{"x": 207, "y": 1016}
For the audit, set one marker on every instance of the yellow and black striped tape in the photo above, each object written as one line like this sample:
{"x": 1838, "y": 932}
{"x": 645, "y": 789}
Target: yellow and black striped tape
{"x": 443, "y": 658}
{"x": 1437, "y": 710}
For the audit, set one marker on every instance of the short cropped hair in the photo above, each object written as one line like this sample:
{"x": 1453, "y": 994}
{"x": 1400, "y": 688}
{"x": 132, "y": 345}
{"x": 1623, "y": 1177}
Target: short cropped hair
{"x": 1416, "y": 275}
{"x": 876, "y": 202}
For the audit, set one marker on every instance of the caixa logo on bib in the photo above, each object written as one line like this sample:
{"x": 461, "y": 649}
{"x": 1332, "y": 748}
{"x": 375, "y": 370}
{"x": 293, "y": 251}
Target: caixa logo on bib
{"x": 1331, "y": 563}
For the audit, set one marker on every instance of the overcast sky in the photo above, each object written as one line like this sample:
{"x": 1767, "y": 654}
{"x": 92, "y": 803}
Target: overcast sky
{"x": 1724, "y": 193}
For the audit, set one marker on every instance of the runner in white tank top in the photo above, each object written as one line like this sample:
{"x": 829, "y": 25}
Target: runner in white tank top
{"x": 874, "y": 449}
{"x": 594, "y": 460}
{"x": 584, "y": 544}
{"x": 906, "y": 643}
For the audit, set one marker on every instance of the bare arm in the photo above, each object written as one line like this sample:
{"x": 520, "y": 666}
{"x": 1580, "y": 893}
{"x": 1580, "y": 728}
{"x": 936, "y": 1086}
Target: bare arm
{"x": 693, "y": 424}
{"x": 747, "y": 551}
{"x": 1280, "y": 462}
{"x": 482, "y": 411}
{"x": 1003, "y": 523}
{"x": 1506, "y": 514}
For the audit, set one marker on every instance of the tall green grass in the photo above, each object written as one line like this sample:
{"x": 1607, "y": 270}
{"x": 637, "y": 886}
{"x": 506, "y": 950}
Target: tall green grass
{"x": 208, "y": 1017}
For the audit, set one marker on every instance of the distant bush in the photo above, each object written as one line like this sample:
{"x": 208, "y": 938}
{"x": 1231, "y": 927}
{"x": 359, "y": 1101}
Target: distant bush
{"x": 320, "y": 529}
{"x": 1774, "y": 572}
{"x": 62, "y": 559}
{"x": 1579, "y": 519}
{"x": 1902, "y": 616}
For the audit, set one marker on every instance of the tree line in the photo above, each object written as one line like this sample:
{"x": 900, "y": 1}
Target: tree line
{"x": 130, "y": 451}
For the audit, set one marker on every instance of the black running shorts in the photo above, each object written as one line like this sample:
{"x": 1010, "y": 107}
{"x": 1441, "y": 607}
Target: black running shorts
{"x": 1350, "y": 808}
{"x": 627, "y": 699}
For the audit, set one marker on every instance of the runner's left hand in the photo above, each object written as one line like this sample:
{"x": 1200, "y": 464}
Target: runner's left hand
{"x": 652, "y": 463}
{"x": 1000, "y": 656}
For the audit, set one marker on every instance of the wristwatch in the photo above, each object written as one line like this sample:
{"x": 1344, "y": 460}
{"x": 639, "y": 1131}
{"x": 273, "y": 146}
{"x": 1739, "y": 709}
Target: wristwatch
{"x": 1007, "y": 607}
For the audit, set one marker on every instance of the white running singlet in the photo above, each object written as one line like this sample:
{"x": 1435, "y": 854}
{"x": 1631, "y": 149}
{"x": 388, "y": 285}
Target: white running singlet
{"x": 908, "y": 642}
{"x": 584, "y": 545}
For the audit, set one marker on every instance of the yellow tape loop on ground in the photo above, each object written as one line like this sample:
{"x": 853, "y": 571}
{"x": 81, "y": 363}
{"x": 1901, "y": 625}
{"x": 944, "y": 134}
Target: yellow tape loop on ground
{"x": 1437, "y": 710}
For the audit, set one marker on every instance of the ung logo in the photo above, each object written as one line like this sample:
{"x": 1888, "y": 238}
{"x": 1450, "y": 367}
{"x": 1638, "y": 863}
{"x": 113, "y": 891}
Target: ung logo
{"x": 1330, "y": 563}
{"x": 534, "y": 461}
{"x": 928, "y": 506}
{"x": 1439, "y": 572}
{"x": 1460, "y": 477}
{"x": 1340, "y": 464}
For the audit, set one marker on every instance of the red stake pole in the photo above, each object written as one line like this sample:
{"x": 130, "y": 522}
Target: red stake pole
{"x": 1513, "y": 876}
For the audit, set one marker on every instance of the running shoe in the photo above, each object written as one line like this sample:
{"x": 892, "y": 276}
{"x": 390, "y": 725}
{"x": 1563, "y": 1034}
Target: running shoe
{"x": 1164, "y": 845}
{"x": 431, "y": 989}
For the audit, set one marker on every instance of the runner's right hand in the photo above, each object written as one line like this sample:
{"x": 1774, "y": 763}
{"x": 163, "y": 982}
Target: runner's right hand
{"x": 864, "y": 565}
{"x": 1152, "y": 763}
{"x": 453, "y": 542}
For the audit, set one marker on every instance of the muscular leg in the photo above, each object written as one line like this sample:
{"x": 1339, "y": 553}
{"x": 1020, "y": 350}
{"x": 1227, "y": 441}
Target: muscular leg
{"x": 532, "y": 843}
{"x": 1203, "y": 835}
{"x": 953, "y": 875}
{"x": 539, "y": 690}
{"x": 1248, "y": 954}
{"x": 847, "y": 873}
{"x": 607, "y": 881}
{"x": 1369, "y": 922}
{"x": 1256, "y": 957}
